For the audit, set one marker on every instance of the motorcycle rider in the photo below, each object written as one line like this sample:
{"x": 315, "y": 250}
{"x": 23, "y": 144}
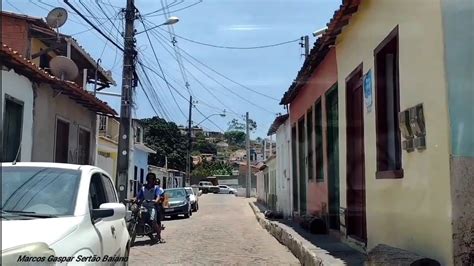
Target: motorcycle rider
{"x": 151, "y": 195}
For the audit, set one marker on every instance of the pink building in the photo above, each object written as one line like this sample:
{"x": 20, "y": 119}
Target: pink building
{"x": 312, "y": 101}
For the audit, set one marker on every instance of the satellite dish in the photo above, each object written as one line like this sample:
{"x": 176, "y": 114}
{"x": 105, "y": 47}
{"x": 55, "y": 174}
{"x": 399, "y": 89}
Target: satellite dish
{"x": 64, "y": 68}
{"x": 56, "y": 17}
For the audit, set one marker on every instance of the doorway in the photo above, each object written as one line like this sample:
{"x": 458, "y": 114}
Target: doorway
{"x": 332, "y": 118}
{"x": 302, "y": 165}
{"x": 62, "y": 142}
{"x": 356, "y": 216}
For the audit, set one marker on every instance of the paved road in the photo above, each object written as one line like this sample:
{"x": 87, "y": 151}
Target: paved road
{"x": 223, "y": 232}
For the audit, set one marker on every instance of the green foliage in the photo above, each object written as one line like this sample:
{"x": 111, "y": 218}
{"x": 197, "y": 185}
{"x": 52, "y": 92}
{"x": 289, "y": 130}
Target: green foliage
{"x": 201, "y": 145}
{"x": 206, "y": 169}
{"x": 235, "y": 125}
{"x": 235, "y": 138}
{"x": 165, "y": 138}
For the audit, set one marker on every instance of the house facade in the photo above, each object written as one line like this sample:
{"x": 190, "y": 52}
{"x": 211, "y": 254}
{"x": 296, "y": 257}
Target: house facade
{"x": 64, "y": 120}
{"x": 17, "y": 113}
{"x": 53, "y": 129}
{"x": 108, "y": 145}
{"x": 402, "y": 112}
{"x": 138, "y": 159}
{"x": 283, "y": 180}
{"x": 314, "y": 138}
{"x": 382, "y": 138}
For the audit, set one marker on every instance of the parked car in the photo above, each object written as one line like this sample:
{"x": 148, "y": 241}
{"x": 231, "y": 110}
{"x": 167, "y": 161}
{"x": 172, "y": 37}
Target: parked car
{"x": 178, "y": 203}
{"x": 208, "y": 187}
{"x": 63, "y": 210}
{"x": 193, "y": 198}
{"x": 224, "y": 189}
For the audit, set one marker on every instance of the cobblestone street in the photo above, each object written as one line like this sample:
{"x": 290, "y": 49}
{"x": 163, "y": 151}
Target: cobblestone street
{"x": 223, "y": 232}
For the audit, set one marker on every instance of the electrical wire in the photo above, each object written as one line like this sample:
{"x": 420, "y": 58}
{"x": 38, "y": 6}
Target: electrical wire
{"x": 178, "y": 58}
{"x": 161, "y": 69}
{"x": 222, "y": 85}
{"x": 154, "y": 93}
{"x": 236, "y": 47}
{"x": 227, "y": 78}
{"x": 163, "y": 44}
{"x": 94, "y": 26}
{"x": 176, "y": 10}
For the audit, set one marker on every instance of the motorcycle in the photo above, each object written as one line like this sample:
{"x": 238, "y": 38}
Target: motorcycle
{"x": 139, "y": 225}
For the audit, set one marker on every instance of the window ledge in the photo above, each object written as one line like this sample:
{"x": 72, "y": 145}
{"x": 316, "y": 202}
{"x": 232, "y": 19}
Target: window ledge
{"x": 390, "y": 174}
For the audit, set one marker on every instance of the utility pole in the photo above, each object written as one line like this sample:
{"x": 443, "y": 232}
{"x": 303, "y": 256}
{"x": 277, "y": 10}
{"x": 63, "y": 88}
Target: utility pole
{"x": 305, "y": 44}
{"x": 247, "y": 140}
{"x": 125, "y": 138}
{"x": 188, "y": 153}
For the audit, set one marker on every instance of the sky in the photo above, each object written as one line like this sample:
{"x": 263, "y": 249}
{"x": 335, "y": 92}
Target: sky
{"x": 221, "y": 78}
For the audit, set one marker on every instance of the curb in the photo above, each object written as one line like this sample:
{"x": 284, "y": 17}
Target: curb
{"x": 299, "y": 250}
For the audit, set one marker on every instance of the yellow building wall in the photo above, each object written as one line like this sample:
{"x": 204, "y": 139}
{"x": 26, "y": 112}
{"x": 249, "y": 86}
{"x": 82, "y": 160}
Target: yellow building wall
{"x": 113, "y": 155}
{"x": 36, "y": 46}
{"x": 414, "y": 212}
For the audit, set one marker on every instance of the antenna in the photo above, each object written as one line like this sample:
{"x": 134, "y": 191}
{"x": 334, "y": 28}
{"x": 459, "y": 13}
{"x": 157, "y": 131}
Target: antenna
{"x": 64, "y": 68}
{"x": 56, "y": 18}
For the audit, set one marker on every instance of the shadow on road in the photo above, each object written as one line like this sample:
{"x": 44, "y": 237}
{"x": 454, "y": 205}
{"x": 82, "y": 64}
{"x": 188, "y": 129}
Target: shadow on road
{"x": 142, "y": 241}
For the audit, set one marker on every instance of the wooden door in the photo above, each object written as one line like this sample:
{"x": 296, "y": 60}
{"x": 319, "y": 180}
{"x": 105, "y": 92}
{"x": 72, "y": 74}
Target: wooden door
{"x": 302, "y": 165}
{"x": 333, "y": 157}
{"x": 356, "y": 217}
{"x": 62, "y": 142}
{"x": 84, "y": 146}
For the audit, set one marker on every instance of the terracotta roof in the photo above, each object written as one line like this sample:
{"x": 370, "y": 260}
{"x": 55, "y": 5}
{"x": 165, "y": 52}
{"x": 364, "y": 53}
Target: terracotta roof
{"x": 321, "y": 47}
{"x": 21, "y": 65}
{"x": 277, "y": 123}
{"x": 35, "y": 20}
{"x": 39, "y": 25}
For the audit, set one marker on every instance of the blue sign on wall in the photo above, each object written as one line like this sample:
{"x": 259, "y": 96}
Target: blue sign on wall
{"x": 368, "y": 91}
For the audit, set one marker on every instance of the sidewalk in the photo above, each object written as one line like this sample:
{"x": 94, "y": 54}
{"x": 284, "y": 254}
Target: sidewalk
{"x": 310, "y": 249}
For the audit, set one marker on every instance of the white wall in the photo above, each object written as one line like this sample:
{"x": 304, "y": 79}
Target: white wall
{"x": 50, "y": 107}
{"x": 283, "y": 173}
{"x": 20, "y": 88}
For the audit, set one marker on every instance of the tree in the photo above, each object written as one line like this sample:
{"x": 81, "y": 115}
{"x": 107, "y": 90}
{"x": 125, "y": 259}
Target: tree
{"x": 166, "y": 139}
{"x": 235, "y": 125}
{"x": 235, "y": 138}
{"x": 206, "y": 169}
{"x": 201, "y": 145}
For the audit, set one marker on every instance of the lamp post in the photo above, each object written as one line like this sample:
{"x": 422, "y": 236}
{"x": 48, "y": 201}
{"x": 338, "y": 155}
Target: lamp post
{"x": 207, "y": 117}
{"x": 188, "y": 160}
{"x": 169, "y": 21}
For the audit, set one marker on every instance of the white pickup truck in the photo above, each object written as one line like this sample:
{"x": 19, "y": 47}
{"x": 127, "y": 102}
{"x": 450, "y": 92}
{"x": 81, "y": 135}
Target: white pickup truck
{"x": 206, "y": 187}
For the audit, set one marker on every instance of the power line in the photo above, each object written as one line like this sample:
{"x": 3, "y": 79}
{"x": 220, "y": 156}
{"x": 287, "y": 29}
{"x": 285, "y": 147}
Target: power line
{"x": 227, "y": 78}
{"x": 154, "y": 93}
{"x": 236, "y": 47}
{"x": 212, "y": 122}
{"x": 93, "y": 26}
{"x": 199, "y": 82}
{"x": 173, "y": 11}
{"x": 107, "y": 16}
{"x": 161, "y": 69}
{"x": 177, "y": 91}
{"x": 225, "y": 87}
{"x": 178, "y": 58}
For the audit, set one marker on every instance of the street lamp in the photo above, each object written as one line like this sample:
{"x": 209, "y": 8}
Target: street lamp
{"x": 222, "y": 115}
{"x": 170, "y": 21}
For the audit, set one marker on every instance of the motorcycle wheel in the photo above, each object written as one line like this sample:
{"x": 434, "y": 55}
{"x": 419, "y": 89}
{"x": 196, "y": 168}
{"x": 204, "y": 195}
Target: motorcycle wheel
{"x": 132, "y": 230}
